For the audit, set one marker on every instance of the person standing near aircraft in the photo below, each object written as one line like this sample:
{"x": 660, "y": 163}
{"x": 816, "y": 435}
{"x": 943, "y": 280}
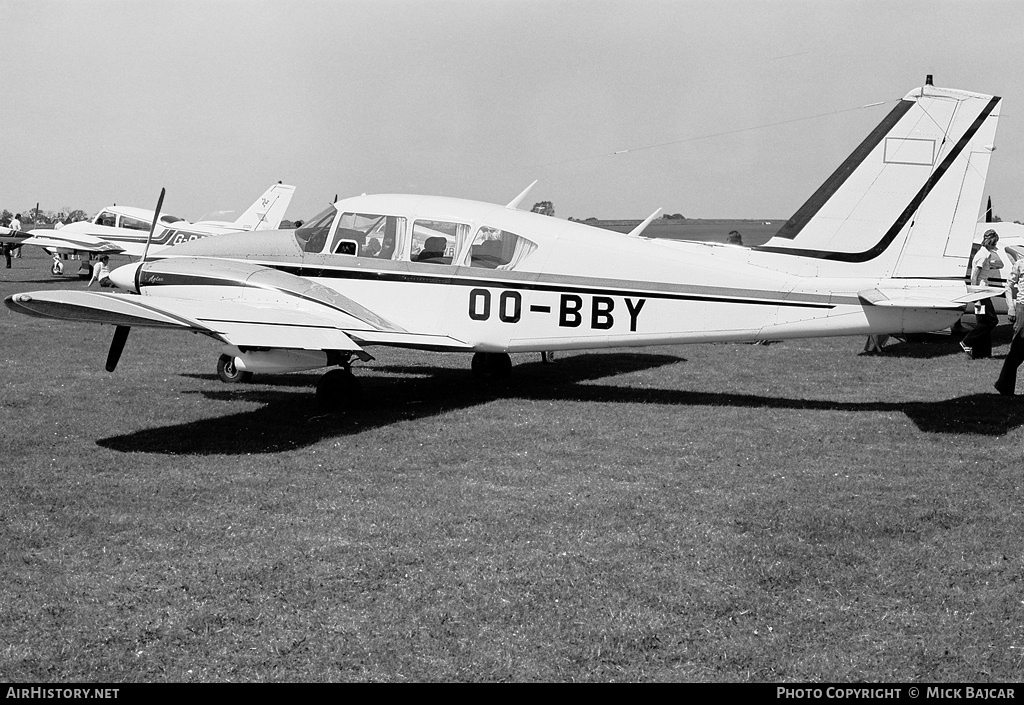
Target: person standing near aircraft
{"x": 13, "y": 250}
{"x": 1007, "y": 382}
{"x": 985, "y": 264}
{"x": 101, "y": 272}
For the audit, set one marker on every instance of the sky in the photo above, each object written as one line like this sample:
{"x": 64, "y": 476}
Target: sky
{"x": 706, "y": 108}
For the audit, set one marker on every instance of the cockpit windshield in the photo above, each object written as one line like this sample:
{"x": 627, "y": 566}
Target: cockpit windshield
{"x": 313, "y": 235}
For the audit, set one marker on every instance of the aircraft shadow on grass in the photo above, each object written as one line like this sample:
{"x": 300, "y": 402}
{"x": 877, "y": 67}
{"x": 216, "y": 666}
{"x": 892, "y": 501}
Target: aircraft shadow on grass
{"x": 927, "y": 346}
{"x": 288, "y": 420}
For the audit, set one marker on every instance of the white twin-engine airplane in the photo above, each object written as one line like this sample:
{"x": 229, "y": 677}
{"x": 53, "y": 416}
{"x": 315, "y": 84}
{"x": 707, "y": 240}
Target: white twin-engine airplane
{"x": 124, "y": 229}
{"x": 881, "y": 247}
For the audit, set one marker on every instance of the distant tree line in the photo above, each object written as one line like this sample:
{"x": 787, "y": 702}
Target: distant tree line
{"x": 673, "y": 216}
{"x": 35, "y": 216}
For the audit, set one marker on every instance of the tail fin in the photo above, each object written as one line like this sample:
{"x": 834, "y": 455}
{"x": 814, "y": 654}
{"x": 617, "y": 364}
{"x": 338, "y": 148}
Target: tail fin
{"x": 906, "y": 202}
{"x": 268, "y": 210}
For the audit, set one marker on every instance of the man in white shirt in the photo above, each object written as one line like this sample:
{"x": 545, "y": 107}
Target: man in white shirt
{"x": 985, "y": 264}
{"x": 15, "y": 250}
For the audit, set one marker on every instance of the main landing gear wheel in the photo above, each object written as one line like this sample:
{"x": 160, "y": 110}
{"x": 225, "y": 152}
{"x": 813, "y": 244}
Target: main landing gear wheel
{"x": 228, "y": 371}
{"x": 338, "y": 389}
{"x": 494, "y": 365}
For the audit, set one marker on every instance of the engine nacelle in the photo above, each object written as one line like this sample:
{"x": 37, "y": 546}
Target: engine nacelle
{"x": 276, "y": 360}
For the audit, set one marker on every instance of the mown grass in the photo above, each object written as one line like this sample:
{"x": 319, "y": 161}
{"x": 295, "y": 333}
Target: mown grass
{"x": 791, "y": 512}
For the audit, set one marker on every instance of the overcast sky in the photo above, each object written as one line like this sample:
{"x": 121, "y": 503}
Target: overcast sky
{"x": 726, "y": 108}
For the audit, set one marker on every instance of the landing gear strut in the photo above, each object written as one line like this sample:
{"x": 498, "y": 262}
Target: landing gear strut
{"x": 493, "y": 365}
{"x": 339, "y": 389}
{"x": 228, "y": 371}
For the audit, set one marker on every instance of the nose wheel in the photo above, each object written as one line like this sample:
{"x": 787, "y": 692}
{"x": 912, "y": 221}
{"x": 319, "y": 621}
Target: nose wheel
{"x": 492, "y": 365}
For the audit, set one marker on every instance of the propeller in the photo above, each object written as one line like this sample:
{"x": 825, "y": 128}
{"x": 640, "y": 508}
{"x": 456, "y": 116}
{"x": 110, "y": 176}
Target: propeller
{"x": 156, "y": 216}
{"x": 121, "y": 332}
{"x": 117, "y": 347}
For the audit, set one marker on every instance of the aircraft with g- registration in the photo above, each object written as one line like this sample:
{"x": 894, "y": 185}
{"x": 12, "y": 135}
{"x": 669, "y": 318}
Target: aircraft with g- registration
{"x": 123, "y": 229}
{"x": 879, "y": 248}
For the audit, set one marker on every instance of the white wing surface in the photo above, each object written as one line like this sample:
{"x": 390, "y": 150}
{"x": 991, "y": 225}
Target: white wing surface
{"x": 242, "y": 305}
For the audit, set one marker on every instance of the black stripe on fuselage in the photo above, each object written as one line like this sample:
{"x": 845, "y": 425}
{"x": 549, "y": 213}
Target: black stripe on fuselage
{"x": 825, "y": 193}
{"x": 408, "y": 277}
{"x": 179, "y": 279}
{"x": 140, "y": 240}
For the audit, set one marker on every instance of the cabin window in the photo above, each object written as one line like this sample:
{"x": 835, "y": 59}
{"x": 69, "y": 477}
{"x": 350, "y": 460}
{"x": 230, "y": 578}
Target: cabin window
{"x": 313, "y": 235}
{"x": 107, "y": 219}
{"x": 498, "y": 249}
{"x": 436, "y": 241}
{"x": 369, "y": 235}
{"x": 134, "y": 223}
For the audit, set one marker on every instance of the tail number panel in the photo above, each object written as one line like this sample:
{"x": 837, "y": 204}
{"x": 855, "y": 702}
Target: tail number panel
{"x": 574, "y": 310}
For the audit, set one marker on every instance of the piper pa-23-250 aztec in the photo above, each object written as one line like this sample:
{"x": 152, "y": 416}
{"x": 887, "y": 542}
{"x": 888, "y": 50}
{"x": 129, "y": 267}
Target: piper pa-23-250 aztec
{"x": 881, "y": 247}
{"x": 124, "y": 229}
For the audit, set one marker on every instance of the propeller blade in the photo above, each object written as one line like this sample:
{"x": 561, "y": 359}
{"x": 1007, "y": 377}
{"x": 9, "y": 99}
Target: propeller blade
{"x": 156, "y": 217}
{"x": 117, "y": 346}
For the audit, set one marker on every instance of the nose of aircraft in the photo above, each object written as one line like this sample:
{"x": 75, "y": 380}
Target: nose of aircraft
{"x": 124, "y": 276}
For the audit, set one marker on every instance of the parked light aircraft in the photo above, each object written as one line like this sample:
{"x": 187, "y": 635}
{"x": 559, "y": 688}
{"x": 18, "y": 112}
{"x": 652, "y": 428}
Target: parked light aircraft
{"x": 124, "y": 229}
{"x": 880, "y": 247}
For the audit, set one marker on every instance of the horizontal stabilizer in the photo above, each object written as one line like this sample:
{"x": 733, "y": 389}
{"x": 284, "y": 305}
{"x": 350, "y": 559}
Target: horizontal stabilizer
{"x": 980, "y": 293}
{"x": 926, "y": 298}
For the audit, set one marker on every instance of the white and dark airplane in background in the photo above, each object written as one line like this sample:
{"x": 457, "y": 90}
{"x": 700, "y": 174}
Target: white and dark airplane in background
{"x": 125, "y": 229}
{"x": 879, "y": 248}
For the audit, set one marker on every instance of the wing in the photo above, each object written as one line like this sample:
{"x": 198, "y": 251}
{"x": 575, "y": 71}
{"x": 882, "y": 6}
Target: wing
{"x": 236, "y": 303}
{"x": 53, "y": 240}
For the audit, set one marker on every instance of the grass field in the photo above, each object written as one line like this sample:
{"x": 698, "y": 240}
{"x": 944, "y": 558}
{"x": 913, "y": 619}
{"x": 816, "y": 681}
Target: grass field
{"x": 792, "y": 512}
